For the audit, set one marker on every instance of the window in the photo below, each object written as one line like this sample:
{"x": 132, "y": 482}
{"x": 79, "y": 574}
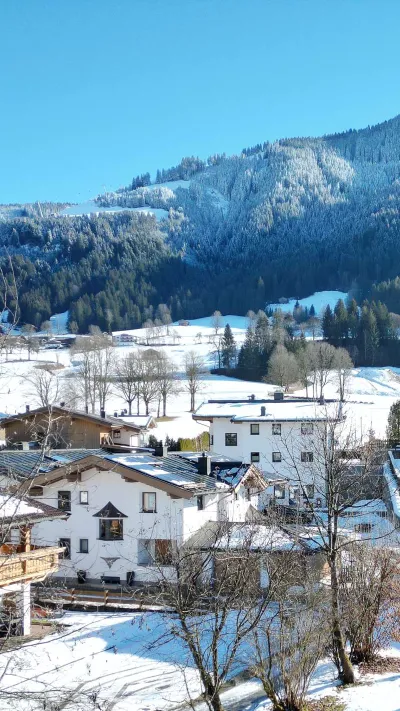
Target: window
{"x": 294, "y": 495}
{"x": 307, "y": 428}
{"x": 255, "y": 456}
{"x": 111, "y": 529}
{"x": 230, "y": 439}
{"x": 276, "y": 429}
{"x": 84, "y": 497}
{"x": 83, "y": 545}
{"x": 157, "y": 551}
{"x": 248, "y": 494}
{"x": 309, "y": 491}
{"x": 64, "y": 501}
{"x": 65, "y": 543}
{"x": 211, "y": 440}
{"x": 307, "y": 457}
{"x": 255, "y": 429}
{"x": 276, "y": 457}
{"x": 117, "y": 434}
{"x": 200, "y": 503}
{"x": 148, "y": 502}
{"x": 363, "y": 528}
{"x": 279, "y": 491}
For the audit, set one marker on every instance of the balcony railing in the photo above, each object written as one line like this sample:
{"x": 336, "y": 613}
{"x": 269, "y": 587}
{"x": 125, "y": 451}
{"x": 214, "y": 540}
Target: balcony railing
{"x": 33, "y": 565}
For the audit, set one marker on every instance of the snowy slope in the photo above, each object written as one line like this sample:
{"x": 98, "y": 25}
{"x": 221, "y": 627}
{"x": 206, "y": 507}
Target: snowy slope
{"x": 91, "y": 207}
{"x": 319, "y": 300}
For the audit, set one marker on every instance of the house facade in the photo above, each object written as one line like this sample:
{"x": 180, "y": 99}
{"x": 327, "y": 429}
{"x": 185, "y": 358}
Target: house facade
{"x": 283, "y": 437}
{"x": 126, "y": 513}
{"x": 64, "y": 427}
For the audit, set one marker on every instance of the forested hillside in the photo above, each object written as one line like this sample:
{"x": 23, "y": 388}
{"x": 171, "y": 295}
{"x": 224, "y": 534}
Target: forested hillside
{"x": 281, "y": 219}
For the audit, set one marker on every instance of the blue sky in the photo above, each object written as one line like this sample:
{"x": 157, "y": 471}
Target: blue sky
{"x": 96, "y": 91}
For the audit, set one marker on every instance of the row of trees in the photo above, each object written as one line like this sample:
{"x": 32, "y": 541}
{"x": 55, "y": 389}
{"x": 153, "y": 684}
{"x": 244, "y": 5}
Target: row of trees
{"x": 141, "y": 377}
{"x": 367, "y": 331}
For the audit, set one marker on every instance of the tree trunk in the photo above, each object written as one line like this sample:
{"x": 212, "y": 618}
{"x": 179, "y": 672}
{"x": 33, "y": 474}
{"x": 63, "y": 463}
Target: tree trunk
{"x": 346, "y": 672}
{"x": 130, "y": 407}
{"x": 164, "y": 405}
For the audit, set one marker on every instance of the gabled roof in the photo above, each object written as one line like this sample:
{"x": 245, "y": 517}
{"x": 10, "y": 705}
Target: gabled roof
{"x": 17, "y": 510}
{"x": 32, "y": 463}
{"x": 176, "y": 475}
{"x": 69, "y": 412}
{"x": 109, "y": 511}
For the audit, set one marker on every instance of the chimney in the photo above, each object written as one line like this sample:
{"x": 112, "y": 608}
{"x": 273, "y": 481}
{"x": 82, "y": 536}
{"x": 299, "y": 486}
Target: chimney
{"x": 204, "y": 465}
{"x": 252, "y": 398}
{"x": 161, "y": 450}
{"x": 28, "y": 407}
{"x": 115, "y": 414}
{"x": 262, "y": 411}
{"x": 103, "y": 414}
{"x": 278, "y": 396}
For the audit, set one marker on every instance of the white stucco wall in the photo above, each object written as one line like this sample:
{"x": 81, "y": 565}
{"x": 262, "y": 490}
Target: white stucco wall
{"x": 290, "y": 443}
{"x": 176, "y": 519}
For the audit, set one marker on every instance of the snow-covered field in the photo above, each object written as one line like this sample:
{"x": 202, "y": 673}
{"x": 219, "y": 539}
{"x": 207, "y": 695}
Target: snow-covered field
{"x": 371, "y": 393}
{"x": 116, "y": 658}
{"x": 90, "y": 207}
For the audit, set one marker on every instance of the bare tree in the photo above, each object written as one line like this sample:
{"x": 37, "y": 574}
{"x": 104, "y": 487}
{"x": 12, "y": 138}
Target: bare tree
{"x": 127, "y": 382}
{"x": 216, "y": 321}
{"x": 44, "y": 386}
{"x": 323, "y": 360}
{"x": 167, "y": 380}
{"x": 289, "y": 643}
{"x": 214, "y": 591}
{"x": 343, "y": 365}
{"x": 282, "y": 367}
{"x": 194, "y": 368}
{"x": 330, "y": 485}
{"x": 31, "y": 341}
{"x": 369, "y": 594}
{"x": 148, "y": 377}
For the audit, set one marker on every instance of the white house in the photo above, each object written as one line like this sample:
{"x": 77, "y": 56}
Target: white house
{"x": 127, "y": 512}
{"x": 283, "y": 437}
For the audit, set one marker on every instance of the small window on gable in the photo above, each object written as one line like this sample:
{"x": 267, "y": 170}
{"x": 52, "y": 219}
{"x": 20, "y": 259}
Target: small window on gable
{"x": 276, "y": 457}
{"x": 276, "y": 429}
{"x": 200, "y": 503}
{"x": 230, "y": 439}
{"x": 255, "y": 457}
{"x": 84, "y": 497}
{"x": 83, "y": 545}
{"x": 307, "y": 457}
{"x": 149, "y": 502}
{"x": 279, "y": 491}
{"x": 117, "y": 434}
{"x": 307, "y": 428}
{"x": 255, "y": 429}
{"x": 65, "y": 543}
{"x": 64, "y": 501}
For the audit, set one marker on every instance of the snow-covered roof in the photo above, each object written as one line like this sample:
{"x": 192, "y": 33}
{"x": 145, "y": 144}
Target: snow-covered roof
{"x": 17, "y": 510}
{"x": 142, "y": 421}
{"x": 286, "y": 410}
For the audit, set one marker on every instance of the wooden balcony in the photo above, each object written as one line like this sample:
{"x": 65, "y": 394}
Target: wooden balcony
{"x": 32, "y": 565}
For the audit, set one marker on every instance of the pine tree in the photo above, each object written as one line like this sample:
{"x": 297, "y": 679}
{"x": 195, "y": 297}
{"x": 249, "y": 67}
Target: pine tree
{"x": 393, "y": 424}
{"x": 228, "y": 348}
{"x": 328, "y": 324}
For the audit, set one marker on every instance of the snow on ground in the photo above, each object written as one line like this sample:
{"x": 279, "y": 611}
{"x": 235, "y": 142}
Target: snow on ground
{"x": 319, "y": 300}
{"x": 372, "y": 390}
{"x": 117, "y": 658}
{"x": 90, "y": 207}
